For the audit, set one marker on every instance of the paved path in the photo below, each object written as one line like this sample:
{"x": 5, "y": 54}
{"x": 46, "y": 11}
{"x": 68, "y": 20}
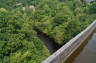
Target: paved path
{"x": 88, "y": 55}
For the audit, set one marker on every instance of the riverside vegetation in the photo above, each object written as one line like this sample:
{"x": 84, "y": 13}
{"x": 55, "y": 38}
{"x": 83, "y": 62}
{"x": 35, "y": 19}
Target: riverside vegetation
{"x": 59, "y": 19}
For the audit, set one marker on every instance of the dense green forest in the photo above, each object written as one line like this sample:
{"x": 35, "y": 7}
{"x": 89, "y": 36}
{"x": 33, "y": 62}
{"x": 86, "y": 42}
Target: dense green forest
{"x": 63, "y": 20}
{"x": 59, "y": 19}
{"x": 18, "y": 42}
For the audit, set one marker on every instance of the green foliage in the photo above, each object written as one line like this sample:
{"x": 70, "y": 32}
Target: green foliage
{"x": 92, "y": 8}
{"x": 61, "y": 20}
{"x": 18, "y": 42}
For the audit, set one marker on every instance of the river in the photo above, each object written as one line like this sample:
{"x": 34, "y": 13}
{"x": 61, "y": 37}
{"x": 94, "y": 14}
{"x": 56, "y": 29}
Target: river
{"x": 48, "y": 42}
{"x": 88, "y": 54}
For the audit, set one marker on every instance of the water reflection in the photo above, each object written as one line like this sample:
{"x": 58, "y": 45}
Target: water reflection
{"x": 88, "y": 55}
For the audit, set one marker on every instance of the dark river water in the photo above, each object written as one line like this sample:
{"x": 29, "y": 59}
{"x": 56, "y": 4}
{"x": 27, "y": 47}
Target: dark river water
{"x": 48, "y": 42}
{"x": 88, "y": 54}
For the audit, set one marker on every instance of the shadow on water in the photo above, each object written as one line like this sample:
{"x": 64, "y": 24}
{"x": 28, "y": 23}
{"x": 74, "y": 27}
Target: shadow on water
{"x": 49, "y": 42}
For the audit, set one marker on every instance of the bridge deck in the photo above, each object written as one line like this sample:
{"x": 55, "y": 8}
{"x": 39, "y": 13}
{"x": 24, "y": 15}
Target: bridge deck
{"x": 88, "y": 55}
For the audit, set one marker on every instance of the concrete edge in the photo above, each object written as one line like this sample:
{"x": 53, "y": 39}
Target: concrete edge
{"x": 60, "y": 55}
